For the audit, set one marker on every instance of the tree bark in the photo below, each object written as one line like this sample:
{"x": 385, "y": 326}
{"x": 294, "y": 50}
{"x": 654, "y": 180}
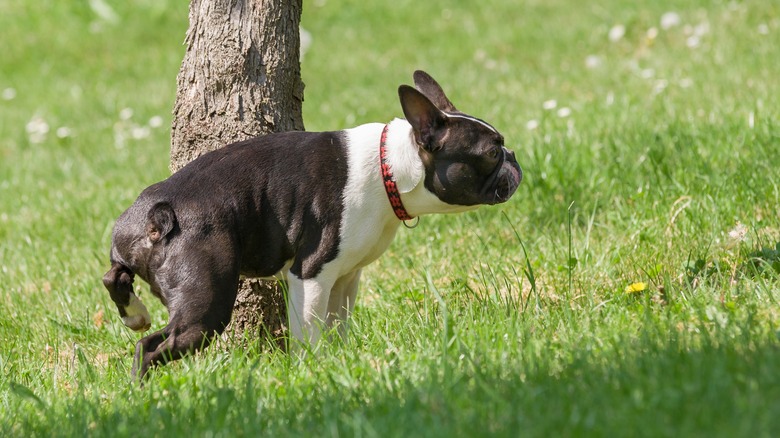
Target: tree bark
{"x": 240, "y": 78}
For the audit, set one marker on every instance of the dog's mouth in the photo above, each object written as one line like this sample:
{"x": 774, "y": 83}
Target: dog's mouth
{"x": 506, "y": 181}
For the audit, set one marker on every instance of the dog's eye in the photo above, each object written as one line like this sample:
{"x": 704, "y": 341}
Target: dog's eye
{"x": 492, "y": 154}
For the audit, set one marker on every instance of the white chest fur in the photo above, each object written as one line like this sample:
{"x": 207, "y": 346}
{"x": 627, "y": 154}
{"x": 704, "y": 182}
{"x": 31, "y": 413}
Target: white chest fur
{"x": 368, "y": 224}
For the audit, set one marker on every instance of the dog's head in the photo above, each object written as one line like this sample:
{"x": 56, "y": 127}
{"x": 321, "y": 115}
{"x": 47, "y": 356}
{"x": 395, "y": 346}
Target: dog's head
{"x": 464, "y": 157}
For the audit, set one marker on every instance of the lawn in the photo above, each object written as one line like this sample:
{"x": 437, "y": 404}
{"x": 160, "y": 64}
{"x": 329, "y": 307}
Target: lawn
{"x": 629, "y": 288}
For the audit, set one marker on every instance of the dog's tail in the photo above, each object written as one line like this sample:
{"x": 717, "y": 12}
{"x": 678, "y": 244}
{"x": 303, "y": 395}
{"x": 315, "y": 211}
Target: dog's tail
{"x": 119, "y": 282}
{"x": 160, "y": 221}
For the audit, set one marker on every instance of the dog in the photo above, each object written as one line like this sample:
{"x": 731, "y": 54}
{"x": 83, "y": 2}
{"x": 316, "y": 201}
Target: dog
{"x": 312, "y": 208}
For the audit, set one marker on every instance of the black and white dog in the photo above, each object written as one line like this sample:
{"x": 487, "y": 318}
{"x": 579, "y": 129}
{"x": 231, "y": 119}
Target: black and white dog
{"x": 310, "y": 207}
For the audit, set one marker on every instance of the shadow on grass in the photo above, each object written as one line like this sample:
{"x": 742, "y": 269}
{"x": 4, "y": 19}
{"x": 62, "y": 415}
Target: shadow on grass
{"x": 653, "y": 386}
{"x": 760, "y": 262}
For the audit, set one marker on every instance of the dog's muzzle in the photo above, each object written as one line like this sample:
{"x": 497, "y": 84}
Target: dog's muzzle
{"x": 506, "y": 179}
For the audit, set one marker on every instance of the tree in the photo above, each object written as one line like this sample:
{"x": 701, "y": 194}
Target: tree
{"x": 240, "y": 78}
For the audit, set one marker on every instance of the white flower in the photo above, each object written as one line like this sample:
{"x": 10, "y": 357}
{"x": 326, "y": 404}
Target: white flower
{"x": 701, "y": 29}
{"x": 532, "y": 124}
{"x": 37, "y": 128}
{"x": 652, "y": 33}
{"x": 155, "y": 122}
{"x": 693, "y": 41}
{"x": 306, "y": 40}
{"x": 686, "y": 82}
{"x": 736, "y": 235}
{"x": 564, "y": 112}
{"x": 104, "y": 11}
{"x": 139, "y": 132}
{"x": 125, "y": 113}
{"x": 669, "y": 20}
{"x": 763, "y": 29}
{"x": 64, "y": 132}
{"x": 617, "y": 32}
{"x": 592, "y": 61}
{"x": 660, "y": 85}
{"x": 549, "y": 104}
{"x": 9, "y": 94}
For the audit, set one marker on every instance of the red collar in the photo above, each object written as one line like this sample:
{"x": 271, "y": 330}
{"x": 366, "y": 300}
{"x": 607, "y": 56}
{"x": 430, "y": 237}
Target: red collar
{"x": 387, "y": 177}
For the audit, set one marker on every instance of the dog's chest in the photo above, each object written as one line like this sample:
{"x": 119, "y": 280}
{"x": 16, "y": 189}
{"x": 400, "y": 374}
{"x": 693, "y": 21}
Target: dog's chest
{"x": 364, "y": 243}
{"x": 368, "y": 224}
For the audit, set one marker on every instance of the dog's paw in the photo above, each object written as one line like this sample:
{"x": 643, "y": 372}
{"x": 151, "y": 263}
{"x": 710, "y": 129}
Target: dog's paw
{"x": 137, "y": 317}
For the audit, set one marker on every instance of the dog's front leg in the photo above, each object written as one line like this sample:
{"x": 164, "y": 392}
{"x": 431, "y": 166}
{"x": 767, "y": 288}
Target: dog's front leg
{"x": 307, "y": 307}
{"x": 342, "y": 301}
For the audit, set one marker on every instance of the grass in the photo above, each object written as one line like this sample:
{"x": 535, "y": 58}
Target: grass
{"x": 657, "y": 163}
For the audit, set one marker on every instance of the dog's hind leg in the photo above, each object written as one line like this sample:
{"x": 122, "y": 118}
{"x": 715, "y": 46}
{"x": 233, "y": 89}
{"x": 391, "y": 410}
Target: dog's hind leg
{"x": 119, "y": 282}
{"x": 201, "y": 310}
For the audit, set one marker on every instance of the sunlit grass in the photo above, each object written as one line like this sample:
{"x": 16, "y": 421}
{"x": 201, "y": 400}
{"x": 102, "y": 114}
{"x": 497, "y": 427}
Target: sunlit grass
{"x": 629, "y": 287}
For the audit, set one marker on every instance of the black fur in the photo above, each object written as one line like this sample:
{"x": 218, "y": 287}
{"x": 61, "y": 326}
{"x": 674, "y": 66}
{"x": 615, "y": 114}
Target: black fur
{"x": 237, "y": 210}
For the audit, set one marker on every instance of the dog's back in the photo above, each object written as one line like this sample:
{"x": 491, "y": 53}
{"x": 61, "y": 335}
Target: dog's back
{"x": 239, "y": 177}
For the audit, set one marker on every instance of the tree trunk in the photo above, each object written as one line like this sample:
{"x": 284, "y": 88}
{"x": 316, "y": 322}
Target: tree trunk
{"x": 240, "y": 78}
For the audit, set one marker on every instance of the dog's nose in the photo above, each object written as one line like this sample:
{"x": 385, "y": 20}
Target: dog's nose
{"x": 510, "y": 154}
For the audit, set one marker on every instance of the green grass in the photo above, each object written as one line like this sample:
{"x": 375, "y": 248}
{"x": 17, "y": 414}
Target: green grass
{"x": 512, "y": 320}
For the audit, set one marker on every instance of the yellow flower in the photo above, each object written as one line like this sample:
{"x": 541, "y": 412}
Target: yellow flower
{"x": 635, "y": 288}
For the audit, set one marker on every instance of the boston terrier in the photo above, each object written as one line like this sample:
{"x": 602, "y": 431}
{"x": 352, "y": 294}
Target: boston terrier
{"x": 312, "y": 208}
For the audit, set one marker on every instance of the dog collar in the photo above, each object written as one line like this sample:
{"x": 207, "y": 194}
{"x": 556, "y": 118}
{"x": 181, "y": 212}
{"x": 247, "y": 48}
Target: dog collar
{"x": 387, "y": 178}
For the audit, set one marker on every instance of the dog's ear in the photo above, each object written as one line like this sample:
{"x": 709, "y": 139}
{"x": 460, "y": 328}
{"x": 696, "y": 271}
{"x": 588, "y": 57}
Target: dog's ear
{"x": 432, "y": 90}
{"x": 422, "y": 114}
